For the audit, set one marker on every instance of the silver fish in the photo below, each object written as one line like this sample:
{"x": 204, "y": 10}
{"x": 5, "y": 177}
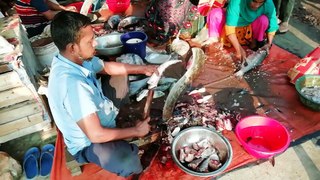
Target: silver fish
{"x": 204, "y": 165}
{"x": 214, "y": 164}
{"x": 195, "y": 163}
{"x": 129, "y": 21}
{"x": 144, "y": 93}
{"x": 252, "y": 61}
{"x": 114, "y": 21}
{"x": 182, "y": 155}
{"x": 135, "y": 86}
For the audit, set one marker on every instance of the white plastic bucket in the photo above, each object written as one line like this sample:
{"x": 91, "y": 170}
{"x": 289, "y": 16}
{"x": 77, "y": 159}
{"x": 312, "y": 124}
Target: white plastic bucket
{"x": 44, "y": 51}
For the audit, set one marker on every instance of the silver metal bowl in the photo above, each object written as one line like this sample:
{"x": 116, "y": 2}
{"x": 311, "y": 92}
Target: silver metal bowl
{"x": 109, "y": 44}
{"x": 196, "y": 134}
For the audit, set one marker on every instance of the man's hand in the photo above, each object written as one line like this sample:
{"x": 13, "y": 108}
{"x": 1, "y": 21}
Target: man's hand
{"x": 71, "y": 8}
{"x": 143, "y": 127}
{"x": 150, "y": 69}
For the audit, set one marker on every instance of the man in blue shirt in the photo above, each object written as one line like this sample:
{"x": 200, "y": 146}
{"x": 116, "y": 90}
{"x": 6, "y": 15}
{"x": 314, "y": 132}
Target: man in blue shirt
{"x": 81, "y": 112}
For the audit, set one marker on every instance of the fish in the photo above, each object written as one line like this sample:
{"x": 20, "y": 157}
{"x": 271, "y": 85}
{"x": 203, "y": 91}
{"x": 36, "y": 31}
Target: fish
{"x": 195, "y": 163}
{"x": 182, "y": 155}
{"x": 135, "y": 86}
{"x": 144, "y": 93}
{"x": 204, "y": 165}
{"x": 163, "y": 87}
{"x": 163, "y": 84}
{"x": 252, "y": 61}
{"x": 129, "y": 22}
{"x": 214, "y": 164}
{"x": 113, "y": 21}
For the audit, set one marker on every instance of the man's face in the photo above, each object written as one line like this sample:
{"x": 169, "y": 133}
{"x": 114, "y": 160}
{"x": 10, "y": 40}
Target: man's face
{"x": 255, "y": 4}
{"x": 87, "y": 43}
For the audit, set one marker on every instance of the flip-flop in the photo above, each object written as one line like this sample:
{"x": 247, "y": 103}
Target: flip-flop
{"x": 46, "y": 159}
{"x": 30, "y": 162}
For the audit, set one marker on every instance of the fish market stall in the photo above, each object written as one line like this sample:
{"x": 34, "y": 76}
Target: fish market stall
{"x": 205, "y": 89}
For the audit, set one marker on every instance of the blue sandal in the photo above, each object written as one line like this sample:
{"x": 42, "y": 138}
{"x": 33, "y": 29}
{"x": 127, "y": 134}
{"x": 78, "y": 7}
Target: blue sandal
{"x": 30, "y": 162}
{"x": 46, "y": 159}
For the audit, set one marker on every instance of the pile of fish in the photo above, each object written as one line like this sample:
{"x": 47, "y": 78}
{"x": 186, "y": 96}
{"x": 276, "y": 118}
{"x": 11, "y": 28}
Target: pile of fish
{"x": 312, "y": 93}
{"x": 201, "y": 156}
{"x": 124, "y": 24}
{"x": 201, "y": 112}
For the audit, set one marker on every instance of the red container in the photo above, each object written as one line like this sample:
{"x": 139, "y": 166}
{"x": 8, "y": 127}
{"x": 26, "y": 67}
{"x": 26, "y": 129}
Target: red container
{"x": 118, "y": 6}
{"x": 262, "y": 137}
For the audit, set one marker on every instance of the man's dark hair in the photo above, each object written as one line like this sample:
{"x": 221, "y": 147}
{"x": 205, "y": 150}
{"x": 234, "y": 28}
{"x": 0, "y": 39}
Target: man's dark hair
{"x": 65, "y": 28}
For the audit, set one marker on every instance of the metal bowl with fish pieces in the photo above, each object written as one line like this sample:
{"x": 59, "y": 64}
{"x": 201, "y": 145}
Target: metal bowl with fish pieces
{"x": 109, "y": 44}
{"x": 212, "y": 152}
{"x": 308, "y": 87}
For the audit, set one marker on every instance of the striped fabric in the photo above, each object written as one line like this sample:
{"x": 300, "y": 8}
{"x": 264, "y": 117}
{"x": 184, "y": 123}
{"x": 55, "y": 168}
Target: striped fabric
{"x": 30, "y": 12}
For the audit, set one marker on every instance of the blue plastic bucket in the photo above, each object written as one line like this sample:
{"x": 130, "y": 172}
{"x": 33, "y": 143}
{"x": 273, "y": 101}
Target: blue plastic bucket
{"x": 135, "y": 42}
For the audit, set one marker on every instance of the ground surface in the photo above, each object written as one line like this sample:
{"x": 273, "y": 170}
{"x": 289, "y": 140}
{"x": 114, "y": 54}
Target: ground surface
{"x": 304, "y": 29}
{"x": 307, "y": 11}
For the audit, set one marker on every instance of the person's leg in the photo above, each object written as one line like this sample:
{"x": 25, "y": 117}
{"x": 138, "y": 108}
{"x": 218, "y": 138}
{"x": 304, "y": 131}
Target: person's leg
{"x": 213, "y": 30}
{"x": 286, "y": 12}
{"x": 216, "y": 21}
{"x": 118, "y": 157}
{"x": 259, "y": 28}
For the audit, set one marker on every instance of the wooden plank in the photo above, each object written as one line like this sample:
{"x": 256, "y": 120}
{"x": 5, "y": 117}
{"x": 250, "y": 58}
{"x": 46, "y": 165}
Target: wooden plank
{"x": 22, "y": 132}
{"x": 20, "y": 124}
{"x": 19, "y": 111}
{"x": 147, "y": 139}
{"x": 9, "y": 80}
{"x": 14, "y": 96}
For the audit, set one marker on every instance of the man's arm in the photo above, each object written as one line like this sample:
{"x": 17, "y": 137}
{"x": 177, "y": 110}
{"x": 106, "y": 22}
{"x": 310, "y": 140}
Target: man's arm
{"x": 57, "y": 7}
{"x": 50, "y": 14}
{"x": 240, "y": 52}
{"x": 116, "y": 68}
{"x": 91, "y": 126}
{"x": 43, "y": 8}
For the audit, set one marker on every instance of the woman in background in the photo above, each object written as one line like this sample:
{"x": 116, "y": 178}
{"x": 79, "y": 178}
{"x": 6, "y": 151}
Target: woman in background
{"x": 245, "y": 22}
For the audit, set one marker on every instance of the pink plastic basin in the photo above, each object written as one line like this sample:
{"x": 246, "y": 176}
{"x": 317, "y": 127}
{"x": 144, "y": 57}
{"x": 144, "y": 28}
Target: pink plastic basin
{"x": 262, "y": 137}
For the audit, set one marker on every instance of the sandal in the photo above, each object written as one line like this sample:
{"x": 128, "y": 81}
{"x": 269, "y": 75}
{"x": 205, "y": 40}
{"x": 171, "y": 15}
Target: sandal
{"x": 30, "y": 162}
{"x": 46, "y": 159}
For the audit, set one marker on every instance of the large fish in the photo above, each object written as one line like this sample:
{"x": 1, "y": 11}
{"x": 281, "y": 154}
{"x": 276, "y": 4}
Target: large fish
{"x": 252, "y": 61}
{"x": 113, "y": 22}
{"x": 128, "y": 22}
